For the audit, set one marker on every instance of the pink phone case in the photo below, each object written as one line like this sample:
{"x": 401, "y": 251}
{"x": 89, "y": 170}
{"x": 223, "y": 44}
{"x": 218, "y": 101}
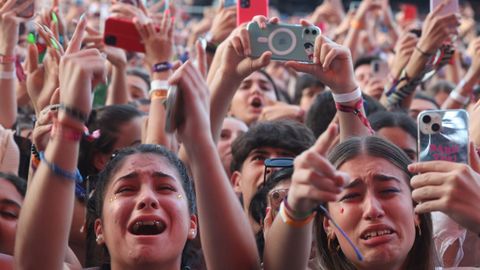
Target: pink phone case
{"x": 450, "y": 8}
{"x": 247, "y": 9}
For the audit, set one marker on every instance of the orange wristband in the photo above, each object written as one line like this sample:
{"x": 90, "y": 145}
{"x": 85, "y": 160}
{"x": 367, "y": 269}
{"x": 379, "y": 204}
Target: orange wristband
{"x": 356, "y": 24}
{"x": 159, "y": 94}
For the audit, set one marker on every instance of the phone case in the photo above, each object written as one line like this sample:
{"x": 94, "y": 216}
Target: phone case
{"x": 247, "y": 9}
{"x": 379, "y": 69}
{"x": 28, "y": 12}
{"x": 285, "y": 41}
{"x": 443, "y": 135}
{"x": 230, "y": 3}
{"x": 451, "y": 7}
{"x": 174, "y": 116}
{"x": 122, "y": 33}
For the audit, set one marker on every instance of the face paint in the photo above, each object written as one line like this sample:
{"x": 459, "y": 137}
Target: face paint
{"x": 179, "y": 196}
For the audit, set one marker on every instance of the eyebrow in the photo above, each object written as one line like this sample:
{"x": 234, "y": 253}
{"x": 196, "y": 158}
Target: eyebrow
{"x": 376, "y": 177}
{"x": 134, "y": 175}
{"x": 10, "y": 202}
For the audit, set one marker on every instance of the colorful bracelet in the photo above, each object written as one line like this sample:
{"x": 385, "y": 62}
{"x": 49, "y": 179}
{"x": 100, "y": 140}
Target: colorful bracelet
{"x": 295, "y": 214}
{"x": 291, "y": 221}
{"x": 76, "y": 176}
{"x": 356, "y": 110}
{"x": 7, "y": 59}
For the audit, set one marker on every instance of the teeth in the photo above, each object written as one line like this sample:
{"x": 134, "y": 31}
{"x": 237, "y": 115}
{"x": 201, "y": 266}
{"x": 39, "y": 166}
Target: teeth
{"x": 376, "y": 233}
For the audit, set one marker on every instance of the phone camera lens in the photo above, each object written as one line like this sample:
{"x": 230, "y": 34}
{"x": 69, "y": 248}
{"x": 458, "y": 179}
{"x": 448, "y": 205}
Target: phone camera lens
{"x": 307, "y": 31}
{"x": 426, "y": 119}
{"x": 435, "y": 127}
{"x": 314, "y": 32}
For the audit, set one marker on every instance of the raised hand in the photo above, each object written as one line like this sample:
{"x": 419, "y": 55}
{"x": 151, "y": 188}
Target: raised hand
{"x": 437, "y": 29}
{"x": 449, "y": 187}
{"x": 315, "y": 180}
{"x": 158, "y": 40}
{"x": 332, "y": 64}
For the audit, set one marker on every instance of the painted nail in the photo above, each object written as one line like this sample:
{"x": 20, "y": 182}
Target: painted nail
{"x": 54, "y": 43}
{"x": 31, "y": 38}
{"x": 54, "y": 18}
{"x": 82, "y": 17}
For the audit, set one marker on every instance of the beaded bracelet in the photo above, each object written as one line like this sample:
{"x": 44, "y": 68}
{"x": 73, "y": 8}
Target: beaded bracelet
{"x": 76, "y": 176}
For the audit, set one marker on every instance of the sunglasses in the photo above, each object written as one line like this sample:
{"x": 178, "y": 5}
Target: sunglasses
{"x": 283, "y": 162}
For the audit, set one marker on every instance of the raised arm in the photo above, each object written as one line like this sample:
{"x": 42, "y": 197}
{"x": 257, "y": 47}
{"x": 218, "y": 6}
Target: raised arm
{"x": 333, "y": 66}
{"x": 9, "y": 27}
{"x": 289, "y": 239}
{"x": 460, "y": 96}
{"x": 230, "y": 66}
{"x": 227, "y": 239}
{"x": 42, "y": 242}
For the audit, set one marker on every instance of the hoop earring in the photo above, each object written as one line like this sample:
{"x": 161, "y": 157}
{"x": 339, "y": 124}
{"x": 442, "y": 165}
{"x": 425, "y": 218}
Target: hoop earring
{"x": 331, "y": 243}
{"x": 419, "y": 229}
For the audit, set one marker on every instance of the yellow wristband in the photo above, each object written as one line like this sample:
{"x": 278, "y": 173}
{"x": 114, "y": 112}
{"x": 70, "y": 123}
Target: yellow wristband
{"x": 293, "y": 222}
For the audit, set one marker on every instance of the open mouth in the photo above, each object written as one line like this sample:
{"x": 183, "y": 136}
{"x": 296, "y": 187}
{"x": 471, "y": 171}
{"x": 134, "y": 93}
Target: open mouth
{"x": 147, "y": 227}
{"x": 372, "y": 234}
{"x": 256, "y": 103}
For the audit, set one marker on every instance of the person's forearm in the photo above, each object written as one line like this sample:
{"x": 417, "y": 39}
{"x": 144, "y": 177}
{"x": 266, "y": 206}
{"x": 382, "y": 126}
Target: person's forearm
{"x": 287, "y": 247}
{"x": 8, "y": 101}
{"x": 45, "y": 219}
{"x": 351, "y": 40}
{"x": 156, "y": 119}
{"x": 453, "y": 70}
{"x": 463, "y": 90}
{"x": 222, "y": 91}
{"x": 117, "y": 90}
{"x": 227, "y": 238}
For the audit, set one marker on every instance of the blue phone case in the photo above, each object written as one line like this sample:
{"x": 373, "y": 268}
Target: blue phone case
{"x": 285, "y": 41}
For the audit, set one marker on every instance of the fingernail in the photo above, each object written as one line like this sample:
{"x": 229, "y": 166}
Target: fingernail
{"x": 82, "y": 17}
{"x": 54, "y": 43}
{"x": 167, "y": 11}
{"x": 54, "y": 18}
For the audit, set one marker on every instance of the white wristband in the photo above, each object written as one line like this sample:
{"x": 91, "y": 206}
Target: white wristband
{"x": 459, "y": 98}
{"x": 343, "y": 98}
{"x": 159, "y": 84}
{"x": 7, "y": 75}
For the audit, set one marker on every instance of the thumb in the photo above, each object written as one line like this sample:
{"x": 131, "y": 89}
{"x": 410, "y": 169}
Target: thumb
{"x": 301, "y": 67}
{"x": 55, "y": 99}
{"x": 261, "y": 62}
{"x": 474, "y": 158}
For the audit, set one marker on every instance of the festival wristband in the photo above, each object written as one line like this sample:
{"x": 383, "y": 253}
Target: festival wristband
{"x": 344, "y": 98}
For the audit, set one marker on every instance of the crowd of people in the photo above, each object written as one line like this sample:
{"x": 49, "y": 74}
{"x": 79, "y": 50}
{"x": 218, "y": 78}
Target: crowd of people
{"x": 196, "y": 155}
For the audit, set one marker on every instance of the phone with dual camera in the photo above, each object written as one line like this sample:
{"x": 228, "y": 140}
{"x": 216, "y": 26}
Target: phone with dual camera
{"x": 287, "y": 42}
{"x": 247, "y": 9}
{"x": 443, "y": 135}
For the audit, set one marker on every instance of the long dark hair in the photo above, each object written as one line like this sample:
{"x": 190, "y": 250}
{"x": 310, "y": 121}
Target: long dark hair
{"x": 422, "y": 254}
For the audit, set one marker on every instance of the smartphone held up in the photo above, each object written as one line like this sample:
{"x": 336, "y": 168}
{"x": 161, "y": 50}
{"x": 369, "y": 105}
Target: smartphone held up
{"x": 285, "y": 41}
{"x": 443, "y": 135}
